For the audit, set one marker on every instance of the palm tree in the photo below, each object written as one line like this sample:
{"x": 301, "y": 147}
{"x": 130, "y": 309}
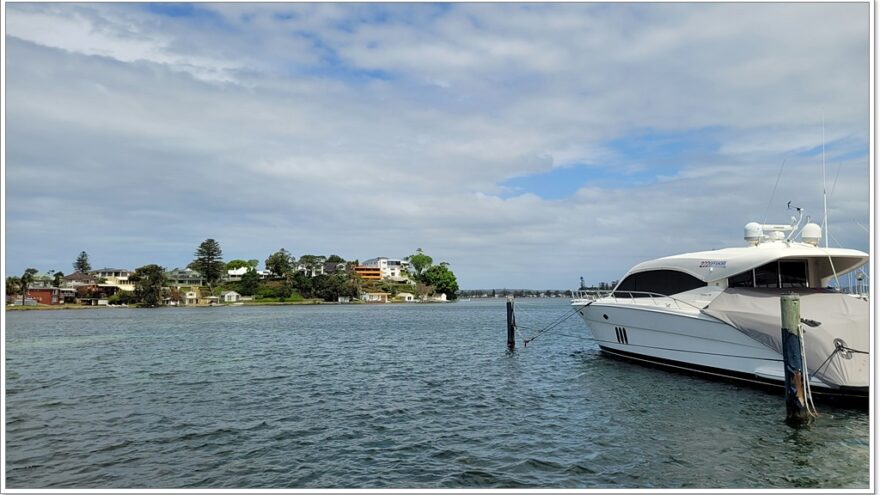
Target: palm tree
{"x": 27, "y": 278}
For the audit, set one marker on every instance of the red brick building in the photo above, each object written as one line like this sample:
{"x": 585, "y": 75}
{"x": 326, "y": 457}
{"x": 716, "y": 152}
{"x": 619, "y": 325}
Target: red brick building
{"x": 47, "y": 295}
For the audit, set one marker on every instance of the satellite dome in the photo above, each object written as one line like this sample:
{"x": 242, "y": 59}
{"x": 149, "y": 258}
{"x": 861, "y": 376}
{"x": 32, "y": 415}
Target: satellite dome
{"x": 811, "y": 234}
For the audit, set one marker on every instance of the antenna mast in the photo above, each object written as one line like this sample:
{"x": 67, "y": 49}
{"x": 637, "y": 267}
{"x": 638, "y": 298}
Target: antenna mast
{"x": 824, "y": 196}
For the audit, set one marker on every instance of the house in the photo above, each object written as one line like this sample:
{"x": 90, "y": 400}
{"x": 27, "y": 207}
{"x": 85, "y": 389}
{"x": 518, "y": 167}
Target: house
{"x": 375, "y": 297}
{"x": 388, "y": 268}
{"x": 46, "y": 295}
{"x": 441, "y": 297}
{"x": 331, "y": 267}
{"x": 404, "y": 297}
{"x": 234, "y": 275}
{"x": 368, "y": 273}
{"x": 230, "y": 296}
{"x": 118, "y": 277}
{"x": 77, "y": 279}
{"x": 190, "y": 298}
{"x": 94, "y": 294}
{"x": 184, "y": 277}
{"x": 42, "y": 280}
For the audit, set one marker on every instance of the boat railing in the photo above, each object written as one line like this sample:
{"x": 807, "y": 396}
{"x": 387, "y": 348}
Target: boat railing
{"x": 631, "y": 295}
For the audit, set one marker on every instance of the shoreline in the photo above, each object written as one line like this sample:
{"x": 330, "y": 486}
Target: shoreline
{"x": 308, "y": 302}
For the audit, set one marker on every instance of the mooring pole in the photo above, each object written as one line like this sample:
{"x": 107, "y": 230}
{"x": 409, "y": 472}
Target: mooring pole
{"x": 795, "y": 385}
{"x": 511, "y": 324}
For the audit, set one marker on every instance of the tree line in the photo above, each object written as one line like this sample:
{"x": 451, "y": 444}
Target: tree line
{"x": 291, "y": 277}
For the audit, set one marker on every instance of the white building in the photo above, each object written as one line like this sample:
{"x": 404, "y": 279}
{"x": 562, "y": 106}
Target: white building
{"x": 230, "y": 296}
{"x": 235, "y": 274}
{"x": 405, "y": 297}
{"x": 191, "y": 298}
{"x": 389, "y": 268}
{"x": 117, "y": 277}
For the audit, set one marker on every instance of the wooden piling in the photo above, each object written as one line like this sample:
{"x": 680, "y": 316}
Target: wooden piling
{"x": 511, "y": 325}
{"x": 795, "y": 382}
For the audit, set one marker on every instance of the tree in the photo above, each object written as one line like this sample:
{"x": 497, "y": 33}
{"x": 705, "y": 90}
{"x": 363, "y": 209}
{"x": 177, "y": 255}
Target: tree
{"x": 310, "y": 263}
{"x": 419, "y": 262}
{"x": 13, "y": 284}
{"x": 57, "y": 279}
{"x": 236, "y": 264}
{"x": 209, "y": 262}
{"x": 443, "y": 280}
{"x": 250, "y": 283}
{"x": 334, "y": 258}
{"x": 26, "y": 279}
{"x": 148, "y": 282}
{"x": 280, "y": 263}
{"x": 81, "y": 264}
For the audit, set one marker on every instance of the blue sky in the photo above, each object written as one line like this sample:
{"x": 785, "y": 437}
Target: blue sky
{"x": 490, "y": 135}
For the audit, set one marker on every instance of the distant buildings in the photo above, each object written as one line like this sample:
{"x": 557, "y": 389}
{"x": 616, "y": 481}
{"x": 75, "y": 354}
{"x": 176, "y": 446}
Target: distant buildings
{"x": 117, "y": 277}
{"x": 389, "y": 269}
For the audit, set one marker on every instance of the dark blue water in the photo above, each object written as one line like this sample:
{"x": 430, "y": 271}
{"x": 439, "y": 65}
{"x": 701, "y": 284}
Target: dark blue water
{"x": 404, "y": 396}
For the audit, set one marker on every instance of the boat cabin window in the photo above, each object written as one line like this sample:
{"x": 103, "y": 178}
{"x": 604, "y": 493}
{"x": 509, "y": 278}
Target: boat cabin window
{"x": 773, "y": 275}
{"x": 666, "y": 282}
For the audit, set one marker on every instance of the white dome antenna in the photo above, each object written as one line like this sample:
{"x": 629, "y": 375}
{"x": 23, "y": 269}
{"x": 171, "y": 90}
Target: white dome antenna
{"x": 811, "y": 234}
{"x": 753, "y": 233}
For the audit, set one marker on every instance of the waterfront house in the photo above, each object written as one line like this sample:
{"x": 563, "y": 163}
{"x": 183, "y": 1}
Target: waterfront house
{"x": 230, "y": 296}
{"x": 190, "y": 298}
{"x": 375, "y": 297}
{"x": 117, "y": 277}
{"x": 404, "y": 297}
{"x": 46, "y": 295}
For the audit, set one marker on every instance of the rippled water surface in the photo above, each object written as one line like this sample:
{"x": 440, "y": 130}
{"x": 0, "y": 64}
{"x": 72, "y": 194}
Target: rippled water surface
{"x": 405, "y": 396}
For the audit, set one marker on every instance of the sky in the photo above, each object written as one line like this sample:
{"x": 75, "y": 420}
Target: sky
{"x": 527, "y": 145}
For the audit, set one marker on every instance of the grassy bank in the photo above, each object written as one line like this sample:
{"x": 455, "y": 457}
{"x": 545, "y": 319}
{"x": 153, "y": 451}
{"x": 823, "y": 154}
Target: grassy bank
{"x": 41, "y": 307}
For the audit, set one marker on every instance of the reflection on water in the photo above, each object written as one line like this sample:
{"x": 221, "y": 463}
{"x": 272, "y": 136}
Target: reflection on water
{"x": 405, "y": 396}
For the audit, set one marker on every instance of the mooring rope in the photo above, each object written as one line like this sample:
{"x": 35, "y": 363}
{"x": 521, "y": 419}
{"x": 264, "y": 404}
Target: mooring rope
{"x": 558, "y": 321}
{"x": 811, "y": 406}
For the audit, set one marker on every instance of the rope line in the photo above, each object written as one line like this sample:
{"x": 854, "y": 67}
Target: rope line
{"x": 555, "y": 323}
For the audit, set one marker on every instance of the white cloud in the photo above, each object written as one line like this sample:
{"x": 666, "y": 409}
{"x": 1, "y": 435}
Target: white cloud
{"x": 371, "y": 130}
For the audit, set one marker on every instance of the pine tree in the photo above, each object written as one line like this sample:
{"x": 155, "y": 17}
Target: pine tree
{"x": 81, "y": 264}
{"x": 209, "y": 262}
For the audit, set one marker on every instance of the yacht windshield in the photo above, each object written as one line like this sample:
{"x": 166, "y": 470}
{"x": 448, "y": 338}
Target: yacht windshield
{"x": 666, "y": 282}
{"x": 774, "y": 275}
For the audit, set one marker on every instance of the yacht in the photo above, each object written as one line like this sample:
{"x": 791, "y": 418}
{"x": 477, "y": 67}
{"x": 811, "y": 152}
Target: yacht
{"x": 718, "y": 312}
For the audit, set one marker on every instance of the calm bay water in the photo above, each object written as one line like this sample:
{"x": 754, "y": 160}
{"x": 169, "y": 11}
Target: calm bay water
{"x": 403, "y": 396}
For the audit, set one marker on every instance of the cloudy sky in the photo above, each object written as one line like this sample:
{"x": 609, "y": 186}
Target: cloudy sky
{"x": 527, "y": 145}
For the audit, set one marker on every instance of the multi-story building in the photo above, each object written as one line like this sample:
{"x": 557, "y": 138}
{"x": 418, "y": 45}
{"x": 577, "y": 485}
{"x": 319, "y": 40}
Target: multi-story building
{"x": 388, "y": 268}
{"x": 184, "y": 277}
{"x": 117, "y": 277}
{"x": 368, "y": 272}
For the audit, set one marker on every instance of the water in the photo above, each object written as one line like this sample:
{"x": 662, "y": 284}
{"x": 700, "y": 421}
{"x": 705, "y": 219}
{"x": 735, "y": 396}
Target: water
{"x": 403, "y": 396}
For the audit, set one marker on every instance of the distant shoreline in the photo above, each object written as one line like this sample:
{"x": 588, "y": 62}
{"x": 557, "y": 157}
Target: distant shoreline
{"x": 309, "y": 302}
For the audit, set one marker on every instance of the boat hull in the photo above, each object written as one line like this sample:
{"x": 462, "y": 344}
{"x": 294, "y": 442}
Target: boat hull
{"x": 692, "y": 342}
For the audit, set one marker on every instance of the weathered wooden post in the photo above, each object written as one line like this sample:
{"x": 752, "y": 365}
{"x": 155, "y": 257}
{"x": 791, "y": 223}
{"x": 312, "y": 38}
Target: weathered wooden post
{"x": 511, "y": 324}
{"x": 795, "y": 382}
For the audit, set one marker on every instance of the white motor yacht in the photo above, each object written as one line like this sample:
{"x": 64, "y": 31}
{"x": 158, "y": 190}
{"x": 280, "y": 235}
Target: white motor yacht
{"x": 718, "y": 312}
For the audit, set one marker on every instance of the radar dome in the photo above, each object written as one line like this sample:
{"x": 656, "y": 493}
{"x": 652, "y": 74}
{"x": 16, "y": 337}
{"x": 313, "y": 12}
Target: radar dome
{"x": 753, "y": 233}
{"x": 811, "y": 234}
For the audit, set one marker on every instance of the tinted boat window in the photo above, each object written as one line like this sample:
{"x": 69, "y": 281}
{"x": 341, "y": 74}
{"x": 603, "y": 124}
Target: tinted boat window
{"x": 767, "y": 275}
{"x": 793, "y": 273}
{"x": 744, "y": 279}
{"x": 666, "y": 282}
